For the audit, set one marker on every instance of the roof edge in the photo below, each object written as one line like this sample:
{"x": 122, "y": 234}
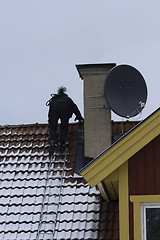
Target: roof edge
{"x": 119, "y": 152}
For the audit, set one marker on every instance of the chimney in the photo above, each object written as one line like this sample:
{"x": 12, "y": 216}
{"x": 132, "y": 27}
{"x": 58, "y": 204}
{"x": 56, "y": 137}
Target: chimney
{"x": 97, "y": 123}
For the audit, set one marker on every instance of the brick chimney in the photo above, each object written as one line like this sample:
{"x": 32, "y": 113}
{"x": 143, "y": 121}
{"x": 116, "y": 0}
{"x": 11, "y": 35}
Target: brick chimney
{"x": 97, "y": 123}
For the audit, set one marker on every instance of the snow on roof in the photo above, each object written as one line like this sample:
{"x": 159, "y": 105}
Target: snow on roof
{"x": 42, "y": 198}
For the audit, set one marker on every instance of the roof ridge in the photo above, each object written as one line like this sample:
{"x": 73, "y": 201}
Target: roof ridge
{"x": 30, "y": 125}
{"x": 23, "y": 125}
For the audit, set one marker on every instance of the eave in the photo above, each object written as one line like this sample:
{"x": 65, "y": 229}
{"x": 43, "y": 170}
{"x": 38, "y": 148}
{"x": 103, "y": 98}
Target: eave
{"x": 117, "y": 154}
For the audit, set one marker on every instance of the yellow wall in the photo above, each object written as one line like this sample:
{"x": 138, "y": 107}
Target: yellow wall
{"x": 123, "y": 202}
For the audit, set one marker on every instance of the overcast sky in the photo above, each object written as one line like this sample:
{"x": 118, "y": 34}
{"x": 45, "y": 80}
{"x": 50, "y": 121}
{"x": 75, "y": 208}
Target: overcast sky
{"x": 41, "y": 41}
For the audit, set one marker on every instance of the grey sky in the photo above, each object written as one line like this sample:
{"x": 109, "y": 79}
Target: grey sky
{"x": 41, "y": 41}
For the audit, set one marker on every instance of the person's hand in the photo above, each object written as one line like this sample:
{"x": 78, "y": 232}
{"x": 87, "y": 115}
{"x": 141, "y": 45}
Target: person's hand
{"x": 81, "y": 120}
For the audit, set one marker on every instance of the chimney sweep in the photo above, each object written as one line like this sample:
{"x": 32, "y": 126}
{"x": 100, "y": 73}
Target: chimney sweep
{"x": 60, "y": 107}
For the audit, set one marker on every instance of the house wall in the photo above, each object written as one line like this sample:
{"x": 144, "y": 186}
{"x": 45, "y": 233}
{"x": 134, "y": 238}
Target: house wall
{"x": 143, "y": 171}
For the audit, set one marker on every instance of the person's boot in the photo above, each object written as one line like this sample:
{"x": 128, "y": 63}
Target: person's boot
{"x": 51, "y": 147}
{"x": 62, "y": 146}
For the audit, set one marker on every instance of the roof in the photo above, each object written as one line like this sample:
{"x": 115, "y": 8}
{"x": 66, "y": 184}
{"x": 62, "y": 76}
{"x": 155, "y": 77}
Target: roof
{"x": 44, "y": 199}
{"x": 119, "y": 152}
{"x": 109, "y": 221}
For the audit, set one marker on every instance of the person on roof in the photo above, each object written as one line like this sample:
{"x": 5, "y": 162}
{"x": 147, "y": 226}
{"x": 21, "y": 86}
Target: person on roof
{"x": 61, "y": 107}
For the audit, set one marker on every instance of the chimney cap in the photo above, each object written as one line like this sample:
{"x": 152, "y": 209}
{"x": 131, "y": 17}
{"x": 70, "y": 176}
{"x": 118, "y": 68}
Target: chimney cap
{"x": 81, "y": 67}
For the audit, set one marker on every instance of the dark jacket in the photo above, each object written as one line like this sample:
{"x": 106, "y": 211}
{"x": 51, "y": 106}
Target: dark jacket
{"x": 67, "y": 103}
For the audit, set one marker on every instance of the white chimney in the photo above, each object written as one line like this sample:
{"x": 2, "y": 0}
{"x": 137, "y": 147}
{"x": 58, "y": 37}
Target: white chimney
{"x": 97, "y": 123}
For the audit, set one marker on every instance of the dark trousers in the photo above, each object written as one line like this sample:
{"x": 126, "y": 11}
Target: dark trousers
{"x": 60, "y": 112}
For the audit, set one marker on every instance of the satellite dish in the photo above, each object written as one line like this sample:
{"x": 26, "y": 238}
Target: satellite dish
{"x": 125, "y": 91}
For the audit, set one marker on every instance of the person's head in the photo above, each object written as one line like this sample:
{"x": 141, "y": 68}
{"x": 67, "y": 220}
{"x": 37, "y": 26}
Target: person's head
{"x": 61, "y": 90}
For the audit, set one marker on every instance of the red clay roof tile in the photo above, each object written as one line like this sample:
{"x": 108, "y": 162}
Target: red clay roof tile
{"x": 43, "y": 199}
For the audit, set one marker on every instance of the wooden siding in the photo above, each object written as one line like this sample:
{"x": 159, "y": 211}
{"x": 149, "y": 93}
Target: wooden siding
{"x": 144, "y": 174}
{"x": 144, "y": 170}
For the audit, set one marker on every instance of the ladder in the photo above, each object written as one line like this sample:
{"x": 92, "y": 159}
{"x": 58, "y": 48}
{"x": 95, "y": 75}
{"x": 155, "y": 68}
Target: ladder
{"x": 41, "y": 233}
